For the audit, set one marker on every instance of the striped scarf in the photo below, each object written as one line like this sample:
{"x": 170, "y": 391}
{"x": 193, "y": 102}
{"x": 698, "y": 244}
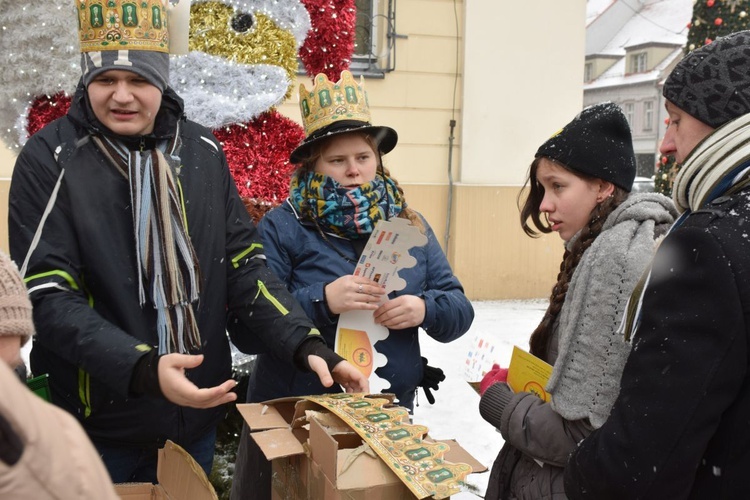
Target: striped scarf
{"x": 718, "y": 166}
{"x": 349, "y": 213}
{"x": 169, "y": 276}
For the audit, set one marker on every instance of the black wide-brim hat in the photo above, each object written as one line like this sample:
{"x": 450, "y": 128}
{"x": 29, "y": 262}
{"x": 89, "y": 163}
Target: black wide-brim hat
{"x": 385, "y": 137}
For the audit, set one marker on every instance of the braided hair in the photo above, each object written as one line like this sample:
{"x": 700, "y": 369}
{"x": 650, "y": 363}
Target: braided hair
{"x": 539, "y": 341}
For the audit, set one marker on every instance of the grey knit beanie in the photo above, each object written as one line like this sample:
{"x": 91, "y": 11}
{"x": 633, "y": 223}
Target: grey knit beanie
{"x": 153, "y": 66}
{"x": 15, "y": 306}
{"x": 712, "y": 83}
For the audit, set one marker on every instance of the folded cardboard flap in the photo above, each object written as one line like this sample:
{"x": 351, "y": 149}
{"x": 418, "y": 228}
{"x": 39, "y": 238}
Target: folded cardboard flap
{"x": 279, "y": 438}
{"x": 260, "y": 416}
{"x": 180, "y": 477}
{"x": 278, "y": 443}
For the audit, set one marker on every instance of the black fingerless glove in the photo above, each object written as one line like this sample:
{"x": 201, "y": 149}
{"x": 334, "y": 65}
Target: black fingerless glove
{"x": 316, "y": 346}
{"x": 431, "y": 377}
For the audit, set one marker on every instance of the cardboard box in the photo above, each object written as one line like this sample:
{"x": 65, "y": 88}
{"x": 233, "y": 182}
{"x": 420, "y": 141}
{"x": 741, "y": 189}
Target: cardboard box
{"x": 180, "y": 478}
{"x": 317, "y": 455}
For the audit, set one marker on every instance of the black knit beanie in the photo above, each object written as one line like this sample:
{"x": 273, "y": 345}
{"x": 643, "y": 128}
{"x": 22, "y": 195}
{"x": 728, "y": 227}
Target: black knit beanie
{"x": 712, "y": 83}
{"x": 596, "y": 143}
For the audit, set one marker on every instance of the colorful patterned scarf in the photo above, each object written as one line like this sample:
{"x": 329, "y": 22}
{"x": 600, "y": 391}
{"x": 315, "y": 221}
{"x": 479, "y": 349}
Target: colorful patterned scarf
{"x": 169, "y": 277}
{"x": 350, "y": 213}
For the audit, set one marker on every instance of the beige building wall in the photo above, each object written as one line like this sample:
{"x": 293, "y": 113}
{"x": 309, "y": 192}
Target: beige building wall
{"x": 7, "y": 159}
{"x": 510, "y": 74}
{"x": 518, "y": 89}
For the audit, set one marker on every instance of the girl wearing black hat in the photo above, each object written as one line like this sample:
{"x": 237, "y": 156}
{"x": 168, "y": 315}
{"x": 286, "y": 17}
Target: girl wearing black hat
{"x": 314, "y": 240}
{"x": 579, "y": 186}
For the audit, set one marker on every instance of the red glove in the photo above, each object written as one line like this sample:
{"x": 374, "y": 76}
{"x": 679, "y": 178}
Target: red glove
{"x": 496, "y": 374}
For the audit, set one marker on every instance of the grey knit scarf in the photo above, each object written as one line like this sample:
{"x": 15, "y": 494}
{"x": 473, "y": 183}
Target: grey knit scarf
{"x": 585, "y": 379}
{"x": 169, "y": 277}
{"x": 718, "y": 166}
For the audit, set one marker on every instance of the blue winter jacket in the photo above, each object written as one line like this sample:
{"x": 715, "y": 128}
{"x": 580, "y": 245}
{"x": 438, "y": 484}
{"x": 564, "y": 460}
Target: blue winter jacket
{"x": 306, "y": 263}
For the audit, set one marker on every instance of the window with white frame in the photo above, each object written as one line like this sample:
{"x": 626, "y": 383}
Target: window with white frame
{"x": 629, "y": 109}
{"x": 648, "y": 115}
{"x": 588, "y": 72}
{"x": 374, "y": 38}
{"x": 363, "y": 33}
{"x": 639, "y": 62}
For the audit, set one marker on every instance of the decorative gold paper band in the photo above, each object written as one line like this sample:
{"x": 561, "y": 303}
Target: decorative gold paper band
{"x": 122, "y": 25}
{"x": 419, "y": 464}
{"x": 329, "y": 102}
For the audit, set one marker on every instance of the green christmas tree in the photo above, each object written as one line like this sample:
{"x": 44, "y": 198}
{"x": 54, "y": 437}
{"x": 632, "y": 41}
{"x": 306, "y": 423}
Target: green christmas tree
{"x": 716, "y": 18}
{"x": 711, "y": 20}
{"x": 666, "y": 170}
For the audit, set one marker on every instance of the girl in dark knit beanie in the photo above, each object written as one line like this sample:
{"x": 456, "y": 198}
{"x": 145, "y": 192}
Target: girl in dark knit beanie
{"x": 579, "y": 186}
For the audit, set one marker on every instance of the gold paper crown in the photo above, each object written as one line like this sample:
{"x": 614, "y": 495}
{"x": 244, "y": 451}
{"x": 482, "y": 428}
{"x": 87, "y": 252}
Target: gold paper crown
{"x": 122, "y": 25}
{"x": 330, "y": 102}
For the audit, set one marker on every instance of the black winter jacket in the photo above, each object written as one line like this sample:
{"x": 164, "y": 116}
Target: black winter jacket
{"x": 83, "y": 279}
{"x": 681, "y": 425}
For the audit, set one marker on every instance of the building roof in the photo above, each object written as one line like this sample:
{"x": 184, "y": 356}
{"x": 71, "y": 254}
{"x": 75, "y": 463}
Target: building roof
{"x": 642, "y": 23}
{"x": 594, "y": 8}
{"x": 663, "y": 21}
{"x": 616, "y": 76}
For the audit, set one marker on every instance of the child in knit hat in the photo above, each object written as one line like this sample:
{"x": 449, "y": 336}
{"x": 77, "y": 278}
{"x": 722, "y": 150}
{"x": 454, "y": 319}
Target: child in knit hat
{"x": 16, "y": 323}
{"x": 135, "y": 243}
{"x": 44, "y": 452}
{"x": 579, "y": 187}
{"x": 679, "y": 428}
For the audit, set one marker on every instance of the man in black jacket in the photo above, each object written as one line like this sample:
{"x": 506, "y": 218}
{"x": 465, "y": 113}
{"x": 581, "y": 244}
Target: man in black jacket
{"x": 135, "y": 244}
{"x": 681, "y": 425}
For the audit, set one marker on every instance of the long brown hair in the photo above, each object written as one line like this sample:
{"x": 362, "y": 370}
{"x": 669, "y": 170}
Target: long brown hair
{"x": 316, "y": 151}
{"x": 539, "y": 341}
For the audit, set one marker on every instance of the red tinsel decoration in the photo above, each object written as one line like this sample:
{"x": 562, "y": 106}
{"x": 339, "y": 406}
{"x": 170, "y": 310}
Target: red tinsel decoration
{"x": 46, "y": 109}
{"x": 329, "y": 45}
{"x": 258, "y": 155}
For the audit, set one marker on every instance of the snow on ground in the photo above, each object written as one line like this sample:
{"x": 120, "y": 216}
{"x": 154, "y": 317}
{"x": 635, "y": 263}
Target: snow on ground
{"x": 455, "y": 414}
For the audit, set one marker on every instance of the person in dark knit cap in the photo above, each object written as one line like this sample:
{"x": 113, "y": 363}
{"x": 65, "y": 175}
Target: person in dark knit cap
{"x": 579, "y": 186}
{"x": 134, "y": 244}
{"x": 679, "y": 428}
